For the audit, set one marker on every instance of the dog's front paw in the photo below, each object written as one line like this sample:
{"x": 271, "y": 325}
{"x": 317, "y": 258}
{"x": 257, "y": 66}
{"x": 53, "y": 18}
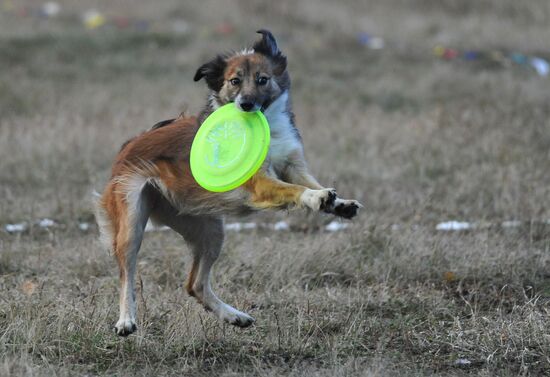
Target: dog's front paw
{"x": 318, "y": 199}
{"x": 125, "y": 327}
{"x": 346, "y": 208}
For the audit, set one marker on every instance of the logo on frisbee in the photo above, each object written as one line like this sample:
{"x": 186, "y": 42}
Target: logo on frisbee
{"x": 224, "y": 141}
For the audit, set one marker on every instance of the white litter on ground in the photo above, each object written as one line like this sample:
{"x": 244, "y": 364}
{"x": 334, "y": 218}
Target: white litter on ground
{"x": 541, "y": 66}
{"x": 281, "y": 225}
{"x": 454, "y": 225}
{"x": 511, "y": 224}
{"x": 376, "y": 43}
{"x": 463, "y": 362}
{"x": 16, "y": 228}
{"x": 50, "y": 9}
{"x": 46, "y": 223}
{"x": 237, "y": 227}
{"x": 84, "y": 226}
{"x": 335, "y": 226}
{"x": 180, "y": 27}
{"x": 370, "y": 41}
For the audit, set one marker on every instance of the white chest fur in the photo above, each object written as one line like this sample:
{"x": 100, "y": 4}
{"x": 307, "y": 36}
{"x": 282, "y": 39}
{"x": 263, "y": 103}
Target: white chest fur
{"x": 284, "y": 140}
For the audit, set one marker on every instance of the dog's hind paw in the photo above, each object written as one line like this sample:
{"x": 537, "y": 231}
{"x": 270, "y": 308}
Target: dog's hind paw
{"x": 347, "y": 209}
{"x": 242, "y": 321}
{"x": 236, "y": 317}
{"x": 125, "y": 327}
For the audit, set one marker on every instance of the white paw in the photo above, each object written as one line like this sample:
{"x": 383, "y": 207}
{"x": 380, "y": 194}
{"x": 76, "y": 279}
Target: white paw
{"x": 318, "y": 199}
{"x": 125, "y": 327}
{"x": 235, "y": 317}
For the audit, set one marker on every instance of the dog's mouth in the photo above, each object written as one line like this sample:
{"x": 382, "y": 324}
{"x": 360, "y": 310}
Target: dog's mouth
{"x": 251, "y": 107}
{"x": 248, "y": 107}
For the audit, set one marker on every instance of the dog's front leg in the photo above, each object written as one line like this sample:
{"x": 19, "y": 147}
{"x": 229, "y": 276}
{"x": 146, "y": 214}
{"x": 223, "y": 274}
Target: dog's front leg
{"x": 297, "y": 173}
{"x": 269, "y": 192}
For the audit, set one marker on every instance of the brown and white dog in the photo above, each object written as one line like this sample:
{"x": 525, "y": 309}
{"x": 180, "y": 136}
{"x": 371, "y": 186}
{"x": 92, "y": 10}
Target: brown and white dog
{"x": 151, "y": 178}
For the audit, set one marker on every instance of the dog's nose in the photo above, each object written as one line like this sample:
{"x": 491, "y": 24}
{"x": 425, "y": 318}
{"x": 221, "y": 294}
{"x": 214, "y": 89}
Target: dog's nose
{"x": 247, "y": 106}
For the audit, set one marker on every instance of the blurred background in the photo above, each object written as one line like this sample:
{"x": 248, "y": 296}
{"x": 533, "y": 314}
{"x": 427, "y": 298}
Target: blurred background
{"x": 405, "y": 104}
{"x": 435, "y": 114}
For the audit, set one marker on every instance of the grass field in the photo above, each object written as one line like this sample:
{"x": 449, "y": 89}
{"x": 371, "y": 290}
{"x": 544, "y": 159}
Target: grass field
{"x": 416, "y": 139}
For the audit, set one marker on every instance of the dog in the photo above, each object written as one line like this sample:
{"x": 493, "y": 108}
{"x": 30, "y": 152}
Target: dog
{"x": 151, "y": 178}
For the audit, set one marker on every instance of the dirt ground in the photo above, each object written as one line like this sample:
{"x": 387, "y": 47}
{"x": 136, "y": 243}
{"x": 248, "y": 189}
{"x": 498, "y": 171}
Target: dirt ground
{"x": 417, "y": 139}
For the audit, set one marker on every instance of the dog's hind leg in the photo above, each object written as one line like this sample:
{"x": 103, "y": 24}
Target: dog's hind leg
{"x": 126, "y": 205}
{"x": 206, "y": 245}
{"x": 204, "y": 234}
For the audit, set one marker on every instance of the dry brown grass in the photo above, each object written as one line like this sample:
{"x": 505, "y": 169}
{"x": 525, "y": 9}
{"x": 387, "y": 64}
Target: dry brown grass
{"x": 417, "y": 140}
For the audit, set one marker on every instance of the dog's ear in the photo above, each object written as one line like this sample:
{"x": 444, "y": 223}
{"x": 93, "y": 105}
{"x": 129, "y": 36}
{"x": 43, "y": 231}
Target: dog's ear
{"x": 212, "y": 72}
{"x": 268, "y": 46}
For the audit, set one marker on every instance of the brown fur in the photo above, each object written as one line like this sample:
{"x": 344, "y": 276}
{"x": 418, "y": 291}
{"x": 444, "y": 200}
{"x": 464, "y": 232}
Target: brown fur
{"x": 269, "y": 192}
{"x": 163, "y": 154}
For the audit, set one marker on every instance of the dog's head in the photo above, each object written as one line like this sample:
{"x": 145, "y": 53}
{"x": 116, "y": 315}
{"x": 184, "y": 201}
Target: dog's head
{"x": 252, "y": 78}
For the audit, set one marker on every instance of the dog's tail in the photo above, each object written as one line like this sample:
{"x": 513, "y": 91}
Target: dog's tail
{"x": 163, "y": 123}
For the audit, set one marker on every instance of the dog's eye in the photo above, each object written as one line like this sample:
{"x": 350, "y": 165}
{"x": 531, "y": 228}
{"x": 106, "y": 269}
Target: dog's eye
{"x": 235, "y": 81}
{"x": 262, "y": 80}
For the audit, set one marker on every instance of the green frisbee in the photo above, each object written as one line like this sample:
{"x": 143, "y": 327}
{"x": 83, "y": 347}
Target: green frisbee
{"x": 229, "y": 148}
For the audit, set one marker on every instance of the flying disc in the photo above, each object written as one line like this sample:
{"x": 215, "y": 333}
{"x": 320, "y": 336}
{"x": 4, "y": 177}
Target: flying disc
{"x": 229, "y": 148}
